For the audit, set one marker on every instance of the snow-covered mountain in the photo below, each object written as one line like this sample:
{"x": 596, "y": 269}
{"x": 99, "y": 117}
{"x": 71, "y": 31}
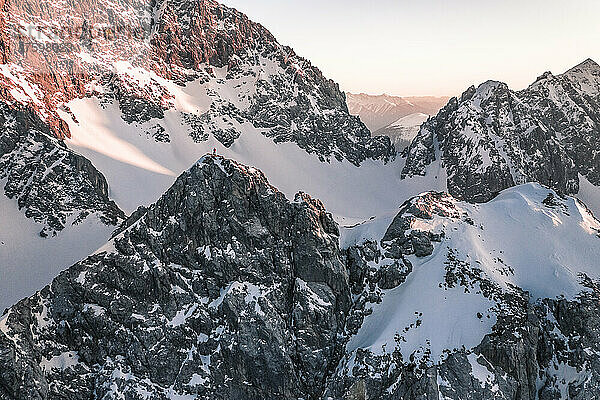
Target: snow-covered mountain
{"x": 227, "y": 280}
{"x": 226, "y": 289}
{"x": 54, "y": 205}
{"x": 493, "y": 138}
{"x": 403, "y": 131}
{"x": 458, "y": 301}
{"x": 377, "y": 112}
{"x": 143, "y": 115}
{"x": 113, "y": 109}
{"x": 220, "y": 70}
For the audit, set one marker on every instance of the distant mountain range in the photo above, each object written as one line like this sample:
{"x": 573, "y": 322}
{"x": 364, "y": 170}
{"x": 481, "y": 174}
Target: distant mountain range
{"x": 377, "y": 112}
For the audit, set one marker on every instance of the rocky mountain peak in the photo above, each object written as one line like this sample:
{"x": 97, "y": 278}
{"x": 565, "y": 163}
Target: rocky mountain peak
{"x": 141, "y": 54}
{"x": 588, "y": 65}
{"x": 584, "y": 80}
{"x": 138, "y": 90}
{"x": 493, "y": 137}
{"x": 221, "y": 289}
{"x": 483, "y": 92}
{"x": 546, "y": 75}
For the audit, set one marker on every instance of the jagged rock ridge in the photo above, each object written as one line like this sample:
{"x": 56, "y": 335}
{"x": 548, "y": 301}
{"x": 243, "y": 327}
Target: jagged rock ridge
{"x": 170, "y": 72}
{"x": 226, "y": 289}
{"x": 493, "y": 138}
{"x": 140, "y": 53}
{"x": 222, "y": 289}
{"x": 51, "y": 184}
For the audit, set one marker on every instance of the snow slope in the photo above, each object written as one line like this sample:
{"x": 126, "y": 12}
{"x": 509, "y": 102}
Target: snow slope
{"x": 128, "y": 156}
{"x": 589, "y": 194}
{"x": 518, "y": 239}
{"x": 29, "y": 262}
{"x": 410, "y": 121}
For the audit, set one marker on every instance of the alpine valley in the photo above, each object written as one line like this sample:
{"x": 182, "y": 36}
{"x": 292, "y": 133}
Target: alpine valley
{"x": 189, "y": 211}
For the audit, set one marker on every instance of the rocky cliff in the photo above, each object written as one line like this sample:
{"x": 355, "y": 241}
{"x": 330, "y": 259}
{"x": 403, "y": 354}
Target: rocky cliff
{"x": 222, "y": 289}
{"x": 226, "y": 289}
{"x": 493, "y": 138}
{"x": 52, "y": 185}
{"x": 180, "y": 77}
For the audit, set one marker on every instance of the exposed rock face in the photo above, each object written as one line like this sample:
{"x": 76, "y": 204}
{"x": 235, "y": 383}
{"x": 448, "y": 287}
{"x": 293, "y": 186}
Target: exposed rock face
{"x": 547, "y": 350}
{"x": 222, "y": 289}
{"x": 191, "y": 34}
{"x": 51, "y": 184}
{"x": 55, "y": 206}
{"x": 493, "y": 138}
{"x": 226, "y": 289}
{"x": 138, "y": 53}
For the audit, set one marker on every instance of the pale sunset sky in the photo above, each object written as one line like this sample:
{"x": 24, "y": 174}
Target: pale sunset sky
{"x": 432, "y": 47}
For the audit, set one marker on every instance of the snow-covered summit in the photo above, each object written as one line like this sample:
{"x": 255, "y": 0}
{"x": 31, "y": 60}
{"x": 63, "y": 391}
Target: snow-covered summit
{"x": 456, "y": 289}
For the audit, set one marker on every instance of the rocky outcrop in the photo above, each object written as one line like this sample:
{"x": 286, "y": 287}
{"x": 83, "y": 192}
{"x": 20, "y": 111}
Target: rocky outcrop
{"x": 52, "y": 185}
{"x": 222, "y": 289}
{"x": 493, "y": 138}
{"x": 525, "y": 358}
{"x": 548, "y": 350}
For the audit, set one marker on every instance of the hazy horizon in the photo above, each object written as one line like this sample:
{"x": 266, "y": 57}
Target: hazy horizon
{"x": 431, "y": 47}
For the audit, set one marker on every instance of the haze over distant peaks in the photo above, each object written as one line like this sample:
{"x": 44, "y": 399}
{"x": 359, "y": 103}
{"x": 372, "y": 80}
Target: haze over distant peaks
{"x": 379, "y": 111}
